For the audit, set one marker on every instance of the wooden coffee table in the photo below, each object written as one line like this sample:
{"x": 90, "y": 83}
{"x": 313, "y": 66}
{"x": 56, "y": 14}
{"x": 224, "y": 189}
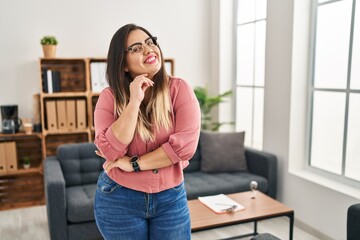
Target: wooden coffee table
{"x": 260, "y": 208}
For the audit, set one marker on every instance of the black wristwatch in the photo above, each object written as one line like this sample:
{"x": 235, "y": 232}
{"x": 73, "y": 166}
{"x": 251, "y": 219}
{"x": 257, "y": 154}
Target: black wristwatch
{"x": 134, "y": 162}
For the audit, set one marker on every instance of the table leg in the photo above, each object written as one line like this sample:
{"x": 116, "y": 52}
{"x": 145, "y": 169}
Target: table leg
{"x": 291, "y": 225}
{"x": 255, "y": 228}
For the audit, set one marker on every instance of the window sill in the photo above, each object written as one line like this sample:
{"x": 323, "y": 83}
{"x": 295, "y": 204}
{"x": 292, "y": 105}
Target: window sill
{"x": 328, "y": 183}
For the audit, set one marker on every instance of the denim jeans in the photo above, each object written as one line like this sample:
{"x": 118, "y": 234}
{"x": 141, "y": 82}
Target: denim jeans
{"x": 123, "y": 213}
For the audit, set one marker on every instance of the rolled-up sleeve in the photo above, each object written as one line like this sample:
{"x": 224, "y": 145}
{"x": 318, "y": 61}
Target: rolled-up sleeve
{"x": 182, "y": 144}
{"x": 105, "y": 140}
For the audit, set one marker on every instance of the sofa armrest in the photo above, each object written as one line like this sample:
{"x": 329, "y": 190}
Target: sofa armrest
{"x": 265, "y": 165}
{"x": 55, "y": 198}
{"x": 353, "y": 222}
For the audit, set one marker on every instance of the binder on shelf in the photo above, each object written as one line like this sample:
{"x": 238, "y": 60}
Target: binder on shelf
{"x": 221, "y": 203}
{"x": 61, "y": 114}
{"x": 49, "y": 81}
{"x": 56, "y": 81}
{"x": 51, "y": 116}
{"x": 11, "y": 157}
{"x": 98, "y": 76}
{"x": 44, "y": 80}
{"x": 2, "y": 158}
{"x": 71, "y": 114}
{"x": 81, "y": 113}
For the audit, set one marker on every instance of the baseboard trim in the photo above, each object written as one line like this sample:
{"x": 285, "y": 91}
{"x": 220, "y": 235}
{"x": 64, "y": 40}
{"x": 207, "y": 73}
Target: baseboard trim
{"x": 311, "y": 230}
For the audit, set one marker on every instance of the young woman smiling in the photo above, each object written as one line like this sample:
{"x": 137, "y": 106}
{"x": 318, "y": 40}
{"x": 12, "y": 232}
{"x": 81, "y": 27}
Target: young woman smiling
{"x": 147, "y": 126}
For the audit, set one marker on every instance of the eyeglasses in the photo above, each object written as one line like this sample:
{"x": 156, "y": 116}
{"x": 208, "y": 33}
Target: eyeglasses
{"x": 139, "y": 46}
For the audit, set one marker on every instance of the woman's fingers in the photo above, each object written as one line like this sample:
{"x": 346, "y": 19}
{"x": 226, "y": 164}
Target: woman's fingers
{"x": 99, "y": 153}
{"x": 143, "y": 80}
{"x": 139, "y": 85}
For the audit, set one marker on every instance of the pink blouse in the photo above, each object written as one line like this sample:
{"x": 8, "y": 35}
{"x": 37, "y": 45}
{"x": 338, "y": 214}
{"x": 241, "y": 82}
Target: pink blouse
{"x": 179, "y": 142}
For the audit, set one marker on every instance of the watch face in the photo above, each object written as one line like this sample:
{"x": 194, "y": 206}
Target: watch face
{"x": 134, "y": 159}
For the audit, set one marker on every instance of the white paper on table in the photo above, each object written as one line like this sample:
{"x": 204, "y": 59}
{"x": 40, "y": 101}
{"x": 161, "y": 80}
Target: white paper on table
{"x": 221, "y": 203}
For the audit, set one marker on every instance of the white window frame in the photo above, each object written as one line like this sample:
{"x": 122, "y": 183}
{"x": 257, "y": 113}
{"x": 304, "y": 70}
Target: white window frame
{"x": 299, "y": 107}
{"x": 250, "y": 86}
{"x": 337, "y": 177}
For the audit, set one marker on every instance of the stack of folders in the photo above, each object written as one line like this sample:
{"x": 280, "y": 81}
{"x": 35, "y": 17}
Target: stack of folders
{"x": 8, "y": 157}
{"x": 65, "y": 114}
{"x": 221, "y": 203}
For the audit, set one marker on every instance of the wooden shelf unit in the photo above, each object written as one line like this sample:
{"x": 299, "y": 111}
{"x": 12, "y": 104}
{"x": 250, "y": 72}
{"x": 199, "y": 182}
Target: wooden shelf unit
{"x": 75, "y": 85}
{"x": 25, "y": 187}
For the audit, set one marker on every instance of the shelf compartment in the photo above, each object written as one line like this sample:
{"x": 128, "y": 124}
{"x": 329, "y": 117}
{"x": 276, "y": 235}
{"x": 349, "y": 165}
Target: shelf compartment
{"x": 21, "y": 191}
{"x": 53, "y": 141}
{"x": 72, "y": 73}
{"x": 27, "y": 145}
{"x": 54, "y": 116}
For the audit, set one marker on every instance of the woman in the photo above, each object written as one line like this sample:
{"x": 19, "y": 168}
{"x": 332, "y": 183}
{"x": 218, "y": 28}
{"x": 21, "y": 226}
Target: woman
{"x": 147, "y": 128}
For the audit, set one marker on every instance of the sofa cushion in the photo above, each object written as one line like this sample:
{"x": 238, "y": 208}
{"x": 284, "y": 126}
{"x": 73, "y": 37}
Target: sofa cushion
{"x": 79, "y": 164}
{"x": 80, "y": 203}
{"x": 203, "y": 184}
{"x": 222, "y": 152}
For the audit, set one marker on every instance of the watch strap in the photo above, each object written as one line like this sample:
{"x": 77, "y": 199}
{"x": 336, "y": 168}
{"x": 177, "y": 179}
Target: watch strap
{"x": 134, "y": 162}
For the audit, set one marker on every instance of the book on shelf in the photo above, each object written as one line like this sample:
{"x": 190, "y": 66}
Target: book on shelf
{"x": 51, "y": 81}
{"x": 221, "y": 203}
{"x": 98, "y": 76}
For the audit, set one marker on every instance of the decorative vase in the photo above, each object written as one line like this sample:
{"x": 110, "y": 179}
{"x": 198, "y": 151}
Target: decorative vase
{"x": 49, "y": 51}
{"x": 26, "y": 166}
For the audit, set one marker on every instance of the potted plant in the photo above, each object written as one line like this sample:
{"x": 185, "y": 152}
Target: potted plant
{"x": 49, "y": 46}
{"x": 26, "y": 162}
{"x": 206, "y": 104}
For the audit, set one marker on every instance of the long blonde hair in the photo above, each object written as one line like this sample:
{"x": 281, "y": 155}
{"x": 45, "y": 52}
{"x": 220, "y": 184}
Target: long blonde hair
{"x": 157, "y": 113}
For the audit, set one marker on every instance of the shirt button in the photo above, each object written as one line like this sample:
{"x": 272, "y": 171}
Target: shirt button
{"x": 155, "y": 171}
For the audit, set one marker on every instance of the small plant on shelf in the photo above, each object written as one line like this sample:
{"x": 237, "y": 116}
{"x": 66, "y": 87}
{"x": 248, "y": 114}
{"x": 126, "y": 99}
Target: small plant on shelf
{"x": 49, "y": 46}
{"x": 49, "y": 40}
{"x": 26, "y": 162}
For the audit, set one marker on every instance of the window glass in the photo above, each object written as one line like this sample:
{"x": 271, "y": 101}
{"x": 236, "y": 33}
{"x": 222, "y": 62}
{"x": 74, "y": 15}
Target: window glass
{"x": 260, "y": 35}
{"x": 251, "y": 10}
{"x": 260, "y": 11}
{"x": 245, "y": 54}
{"x": 327, "y": 131}
{"x": 244, "y": 112}
{"x": 258, "y": 118}
{"x": 355, "y": 67}
{"x": 246, "y": 11}
{"x": 332, "y": 45}
{"x": 352, "y": 167}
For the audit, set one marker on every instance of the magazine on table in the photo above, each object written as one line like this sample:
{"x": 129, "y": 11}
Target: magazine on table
{"x": 221, "y": 203}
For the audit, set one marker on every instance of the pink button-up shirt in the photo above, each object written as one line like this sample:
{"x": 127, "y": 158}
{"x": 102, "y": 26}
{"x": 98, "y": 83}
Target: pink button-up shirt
{"x": 179, "y": 142}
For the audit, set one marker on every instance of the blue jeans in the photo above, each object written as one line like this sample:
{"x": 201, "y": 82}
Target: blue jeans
{"x": 123, "y": 213}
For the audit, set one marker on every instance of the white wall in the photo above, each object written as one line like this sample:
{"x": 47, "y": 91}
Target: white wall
{"x": 84, "y": 29}
{"x": 316, "y": 206}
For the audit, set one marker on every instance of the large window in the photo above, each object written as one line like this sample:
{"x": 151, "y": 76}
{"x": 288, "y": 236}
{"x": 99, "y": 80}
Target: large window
{"x": 250, "y": 67}
{"x": 334, "y": 145}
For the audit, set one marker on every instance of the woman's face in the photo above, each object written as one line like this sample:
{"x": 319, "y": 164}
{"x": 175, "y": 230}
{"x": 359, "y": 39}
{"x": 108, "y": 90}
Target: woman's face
{"x": 138, "y": 61}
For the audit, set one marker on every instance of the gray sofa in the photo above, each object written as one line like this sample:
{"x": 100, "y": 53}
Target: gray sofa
{"x": 353, "y": 222}
{"x": 70, "y": 182}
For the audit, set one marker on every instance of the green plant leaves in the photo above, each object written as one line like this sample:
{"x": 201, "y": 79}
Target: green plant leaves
{"x": 48, "y": 40}
{"x": 206, "y": 103}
